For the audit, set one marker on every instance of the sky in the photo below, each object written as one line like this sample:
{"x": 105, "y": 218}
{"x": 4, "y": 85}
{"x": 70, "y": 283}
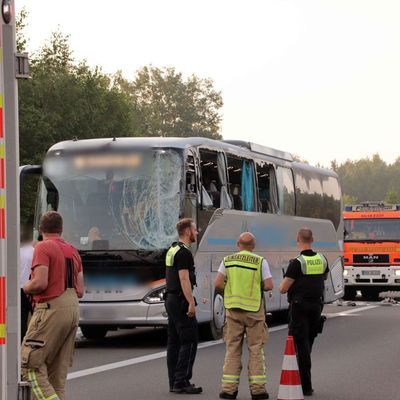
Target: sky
{"x": 317, "y": 78}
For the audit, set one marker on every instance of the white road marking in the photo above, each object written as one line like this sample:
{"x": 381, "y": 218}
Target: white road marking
{"x": 162, "y": 354}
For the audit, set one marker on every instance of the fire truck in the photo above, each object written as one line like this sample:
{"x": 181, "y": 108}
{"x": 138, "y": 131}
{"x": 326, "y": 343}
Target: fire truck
{"x": 13, "y": 66}
{"x": 371, "y": 249}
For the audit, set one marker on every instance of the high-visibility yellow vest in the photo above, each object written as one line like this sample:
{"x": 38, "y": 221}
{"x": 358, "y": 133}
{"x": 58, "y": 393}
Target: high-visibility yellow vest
{"x": 169, "y": 258}
{"x": 313, "y": 265}
{"x": 243, "y": 287}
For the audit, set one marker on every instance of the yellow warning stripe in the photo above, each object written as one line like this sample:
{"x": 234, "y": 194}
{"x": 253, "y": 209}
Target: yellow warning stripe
{"x": 3, "y": 331}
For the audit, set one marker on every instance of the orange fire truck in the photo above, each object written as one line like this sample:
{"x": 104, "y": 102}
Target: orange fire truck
{"x": 371, "y": 249}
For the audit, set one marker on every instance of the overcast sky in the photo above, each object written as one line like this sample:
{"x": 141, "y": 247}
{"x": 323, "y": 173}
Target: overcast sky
{"x": 320, "y": 79}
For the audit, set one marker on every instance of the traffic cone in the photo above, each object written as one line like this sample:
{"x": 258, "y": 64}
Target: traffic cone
{"x": 290, "y": 386}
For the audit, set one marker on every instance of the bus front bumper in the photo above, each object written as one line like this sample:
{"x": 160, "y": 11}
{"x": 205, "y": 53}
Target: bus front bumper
{"x": 129, "y": 313}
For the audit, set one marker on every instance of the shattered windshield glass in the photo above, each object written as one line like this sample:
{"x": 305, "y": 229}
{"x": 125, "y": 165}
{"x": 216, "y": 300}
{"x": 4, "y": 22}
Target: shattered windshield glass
{"x": 115, "y": 201}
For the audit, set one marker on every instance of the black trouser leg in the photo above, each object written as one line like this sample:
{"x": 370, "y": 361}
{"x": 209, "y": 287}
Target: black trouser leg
{"x": 187, "y": 334}
{"x": 25, "y": 310}
{"x": 173, "y": 345}
{"x": 184, "y": 367}
{"x": 304, "y": 360}
{"x": 304, "y": 320}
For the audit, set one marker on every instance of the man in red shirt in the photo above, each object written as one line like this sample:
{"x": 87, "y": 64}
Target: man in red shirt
{"x": 55, "y": 285}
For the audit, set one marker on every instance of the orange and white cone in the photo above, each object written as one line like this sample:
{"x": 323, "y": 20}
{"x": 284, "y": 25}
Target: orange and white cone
{"x": 290, "y": 386}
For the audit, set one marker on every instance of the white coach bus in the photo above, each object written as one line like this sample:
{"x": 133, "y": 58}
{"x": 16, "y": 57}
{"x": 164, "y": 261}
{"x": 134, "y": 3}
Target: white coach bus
{"x": 121, "y": 199}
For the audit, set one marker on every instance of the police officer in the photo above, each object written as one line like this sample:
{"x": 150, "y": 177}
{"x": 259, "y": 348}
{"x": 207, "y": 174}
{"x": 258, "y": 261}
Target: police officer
{"x": 55, "y": 285}
{"x": 180, "y": 305}
{"x": 243, "y": 276}
{"x": 304, "y": 283}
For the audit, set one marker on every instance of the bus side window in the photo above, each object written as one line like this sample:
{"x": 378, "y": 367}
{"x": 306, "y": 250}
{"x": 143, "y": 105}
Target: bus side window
{"x": 210, "y": 184}
{"x": 191, "y": 186}
{"x": 332, "y": 200}
{"x": 267, "y": 188}
{"x": 286, "y": 190}
{"x": 242, "y": 183}
{"x": 309, "y": 194}
{"x": 214, "y": 179}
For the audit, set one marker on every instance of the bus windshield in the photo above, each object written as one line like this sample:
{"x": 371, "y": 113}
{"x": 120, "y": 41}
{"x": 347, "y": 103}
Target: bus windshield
{"x": 115, "y": 201}
{"x": 374, "y": 229}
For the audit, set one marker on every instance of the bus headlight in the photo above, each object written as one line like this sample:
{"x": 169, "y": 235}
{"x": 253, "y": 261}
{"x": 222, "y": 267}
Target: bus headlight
{"x": 397, "y": 272}
{"x": 345, "y": 272}
{"x": 156, "y": 296}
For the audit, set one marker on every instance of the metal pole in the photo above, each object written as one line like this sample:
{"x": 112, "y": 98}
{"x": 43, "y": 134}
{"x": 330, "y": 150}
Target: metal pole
{"x": 11, "y": 141}
{"x": 3, "y": 358}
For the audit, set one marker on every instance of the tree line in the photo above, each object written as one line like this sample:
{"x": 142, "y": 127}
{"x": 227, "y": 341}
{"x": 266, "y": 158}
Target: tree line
{"x": 66, "y": 98}
{"x": 369, "y": 179}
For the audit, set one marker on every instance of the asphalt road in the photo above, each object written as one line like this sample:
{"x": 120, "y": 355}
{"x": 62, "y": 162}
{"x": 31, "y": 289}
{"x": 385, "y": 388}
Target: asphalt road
{"x": 356, "y": 358}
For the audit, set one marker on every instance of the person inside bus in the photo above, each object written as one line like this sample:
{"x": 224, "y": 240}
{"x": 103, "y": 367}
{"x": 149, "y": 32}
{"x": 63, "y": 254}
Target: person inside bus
{"x": 237, "y": 199}
{"x": 212, "y": 190}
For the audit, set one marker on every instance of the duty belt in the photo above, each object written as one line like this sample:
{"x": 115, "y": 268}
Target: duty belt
{"x": 174, "y": 292}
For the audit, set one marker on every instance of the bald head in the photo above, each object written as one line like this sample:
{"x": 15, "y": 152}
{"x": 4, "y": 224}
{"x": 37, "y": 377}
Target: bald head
{"x": 305, "y": 236}
{"x": 246, "y": 241}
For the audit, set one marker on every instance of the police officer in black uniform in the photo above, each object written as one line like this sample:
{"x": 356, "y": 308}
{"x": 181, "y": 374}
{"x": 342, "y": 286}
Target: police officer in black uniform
{"x": 180, "y": 305}
{"x": 304, "y": 283}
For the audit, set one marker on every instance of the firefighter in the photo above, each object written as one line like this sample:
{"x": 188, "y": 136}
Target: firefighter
{"x": 180, "y": 305}
{"x": 55, "y": 285}
{"x": 304, "y": 284}
{"x": 243, "y": 276}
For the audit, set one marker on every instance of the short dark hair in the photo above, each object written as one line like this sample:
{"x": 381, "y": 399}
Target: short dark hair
{"x": 306, "y": 235}
{"x": 183, "y": 224}
{"x": 51, "y": 222}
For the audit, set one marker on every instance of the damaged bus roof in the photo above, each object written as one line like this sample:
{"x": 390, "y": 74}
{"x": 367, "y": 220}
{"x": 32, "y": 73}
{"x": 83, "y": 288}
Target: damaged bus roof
{"x": 238, "y": 147}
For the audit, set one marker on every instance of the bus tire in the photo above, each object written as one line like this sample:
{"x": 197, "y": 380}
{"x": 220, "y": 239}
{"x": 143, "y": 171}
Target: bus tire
{"x": 94, "y": 332}
{"x": 350, "y": 293}
{"x": 213, "y": 330}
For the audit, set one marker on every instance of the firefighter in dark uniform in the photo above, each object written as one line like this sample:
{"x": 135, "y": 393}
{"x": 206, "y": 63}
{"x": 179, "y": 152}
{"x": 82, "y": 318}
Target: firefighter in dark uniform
{"x": 180, "y": 305}
{"x": 304, "y": 283}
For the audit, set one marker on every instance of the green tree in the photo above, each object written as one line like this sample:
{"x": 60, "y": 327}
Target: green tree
{"x": 169, "y": 105}
{"x": 21, "y": 23}
{"x": 347, "y": 199}
{"x": 392, "y": 197}
{"x": 64, "y": 100}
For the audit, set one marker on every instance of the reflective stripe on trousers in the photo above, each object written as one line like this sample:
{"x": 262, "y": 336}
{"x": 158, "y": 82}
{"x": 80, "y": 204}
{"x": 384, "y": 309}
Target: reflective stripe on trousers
{"x": 241, "y": 324}
{"x": 37, "y": 391}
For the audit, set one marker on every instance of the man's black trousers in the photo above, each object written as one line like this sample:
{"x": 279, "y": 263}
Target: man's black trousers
{"x": 304, "y": 325}
{"x": 26, "y": 308}
{"x": 182, "y": 341}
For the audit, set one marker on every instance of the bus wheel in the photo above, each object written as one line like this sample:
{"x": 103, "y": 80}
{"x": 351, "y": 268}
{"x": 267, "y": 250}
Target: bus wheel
{"x": 350, "y": 293}
{"x": 213, "y": 329}
{"x": 94, "y": 332}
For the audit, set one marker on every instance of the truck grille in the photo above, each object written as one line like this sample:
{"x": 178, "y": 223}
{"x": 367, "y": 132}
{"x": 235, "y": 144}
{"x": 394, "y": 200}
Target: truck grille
{"x": 368, "y": 259}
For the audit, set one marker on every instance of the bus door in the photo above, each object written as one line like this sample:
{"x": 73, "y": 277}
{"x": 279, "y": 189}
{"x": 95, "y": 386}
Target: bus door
{"x": 29, "y": 180}
{"x": 191, "y": 187}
